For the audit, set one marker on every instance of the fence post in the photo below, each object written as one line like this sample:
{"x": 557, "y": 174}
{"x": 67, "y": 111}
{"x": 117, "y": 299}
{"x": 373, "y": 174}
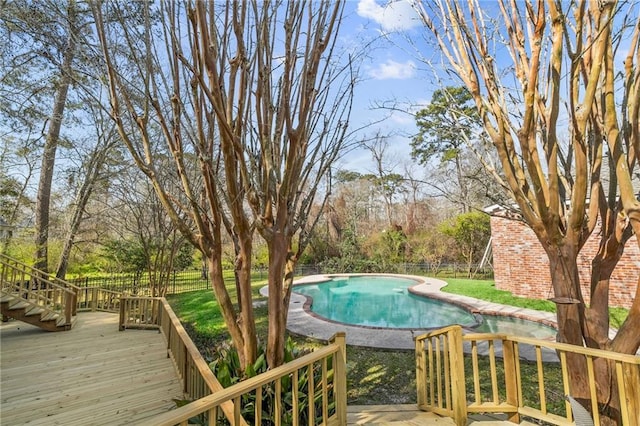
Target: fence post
{"x": 74, "y": 302}
{"x": 94, "y": 299}
{"x": 630, "y": 387}
{"x": 123, "y": 302}
{"x": 421, "y": 374}
{"x": 511, "y": 378}
{"x": 340, "y": 376}
{"x": 69, "y": 304}
{"x": 456, "y": 369}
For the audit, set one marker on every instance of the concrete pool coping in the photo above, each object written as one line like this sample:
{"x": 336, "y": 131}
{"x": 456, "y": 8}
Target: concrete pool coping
{"x": 302, "y": 322}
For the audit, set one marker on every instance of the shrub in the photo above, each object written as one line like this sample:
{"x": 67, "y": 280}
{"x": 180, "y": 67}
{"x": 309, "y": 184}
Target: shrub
{"x": 226, "y": 367}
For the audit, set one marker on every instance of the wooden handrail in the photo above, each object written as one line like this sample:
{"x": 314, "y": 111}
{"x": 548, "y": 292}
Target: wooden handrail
{"x": 566, "y": 347}
{"x": 30, "y": 270}
{"x": 435, "y": 348}
{"x": 172, "y": 328}
{"x": 56, "y": 295}
{"x": 200, "y": 384}
{"x": 208, "y": 405}
{"x": 98, "y": 299}
{"x": 155, "y": 312}
{"x": 84, "y": 298}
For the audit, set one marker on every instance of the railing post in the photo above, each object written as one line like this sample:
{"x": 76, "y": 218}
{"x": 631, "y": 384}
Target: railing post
{"x": 121, "y": 324}
{"x": 69, "y": 304}
{"x": 94, "y": 299}
{"x": 74, "y": 302}
{"x": 421, "y": 373}
{"x": 630, "y": 387}
{"x": 340, "y": 377}
{"x": 185, "y": 370}
{"x": 456, "y": 368}
{"x": 3, "y": 272}
{"x": 511, "y": 378}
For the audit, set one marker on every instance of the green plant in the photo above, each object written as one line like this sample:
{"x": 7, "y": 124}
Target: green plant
{"x": 471, "y": 232}
{"x": 226, "y": 366}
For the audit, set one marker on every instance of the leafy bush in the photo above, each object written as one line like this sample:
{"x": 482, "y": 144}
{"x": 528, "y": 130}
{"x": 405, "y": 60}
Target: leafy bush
{"x": 226, "y": 367}
{"x": 338, "y": 265}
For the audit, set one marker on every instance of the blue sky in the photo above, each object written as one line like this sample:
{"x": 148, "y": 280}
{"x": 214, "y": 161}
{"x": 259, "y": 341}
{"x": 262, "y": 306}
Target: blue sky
{"x": 396, "y": 70}
{"x": 390, "y": 74}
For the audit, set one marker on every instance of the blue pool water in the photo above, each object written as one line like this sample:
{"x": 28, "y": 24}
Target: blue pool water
{"x": 383, "y": 301}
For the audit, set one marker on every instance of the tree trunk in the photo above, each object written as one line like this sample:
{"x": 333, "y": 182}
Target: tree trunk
{"x": 278, "y": 254}
{"x": 290, "y": 267}
{"x": 566, "y": 287}
{"x": 226, "y": 305}
{"x": 78, "y": 213}
{"x": 579, "y": 325}
{"x": 43, "y": 200}
{"x": 246, "y": 318}
{"x": 94, "y": 166}
{"x": 570, "y": 312}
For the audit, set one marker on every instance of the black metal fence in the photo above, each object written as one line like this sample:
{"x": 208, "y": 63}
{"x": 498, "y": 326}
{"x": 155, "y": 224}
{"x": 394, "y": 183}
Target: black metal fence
{"x": 138, "y": 283}
{"x": 191, "y": 280}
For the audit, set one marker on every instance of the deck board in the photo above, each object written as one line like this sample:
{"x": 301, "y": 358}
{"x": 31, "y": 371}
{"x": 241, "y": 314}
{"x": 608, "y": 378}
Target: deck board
{"x": 92, "y": 374}
{"x": 410, "y": 415}
{"x": 396, "y": 415}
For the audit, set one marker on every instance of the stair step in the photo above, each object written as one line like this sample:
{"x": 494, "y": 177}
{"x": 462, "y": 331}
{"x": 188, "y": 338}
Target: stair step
{"x": 50, "y": 316}
{"x": 6, "y": 298}
{"x": 36, "y": 310}
{"x": 20, "y": 304}
{"x": 27, "y": 300}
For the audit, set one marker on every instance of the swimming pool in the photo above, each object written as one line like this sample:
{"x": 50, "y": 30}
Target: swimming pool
{"x": 385, "y": 302}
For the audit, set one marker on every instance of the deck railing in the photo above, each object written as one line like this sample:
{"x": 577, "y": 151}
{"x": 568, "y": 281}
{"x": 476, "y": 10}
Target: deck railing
{"x": 311, "y": 388}
{"x": 38, "y": 287}
{"x": 441, "y": 374}
{"x": 98, "y": 299}
{"x": 16, "y": 276}
{"x": 197, "y": 378}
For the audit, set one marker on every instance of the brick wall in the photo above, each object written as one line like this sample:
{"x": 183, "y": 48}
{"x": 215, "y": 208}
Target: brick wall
{"x": 521, "y": 265}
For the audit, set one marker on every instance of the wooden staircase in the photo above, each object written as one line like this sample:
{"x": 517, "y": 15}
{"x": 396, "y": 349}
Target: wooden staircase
{"x": 29, "y": 311}
{"x": 29, "y": 295}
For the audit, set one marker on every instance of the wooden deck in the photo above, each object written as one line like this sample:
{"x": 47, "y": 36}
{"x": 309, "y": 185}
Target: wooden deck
{"x": 93, "y": 374}
{"x": 409, "y": 415}
{"x": 397, "y": 415}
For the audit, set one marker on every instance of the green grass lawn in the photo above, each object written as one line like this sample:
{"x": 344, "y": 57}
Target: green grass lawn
{"x": 486, "y": 290}
{"x": 373, "y": 376}
{"x": 201, "y": 315}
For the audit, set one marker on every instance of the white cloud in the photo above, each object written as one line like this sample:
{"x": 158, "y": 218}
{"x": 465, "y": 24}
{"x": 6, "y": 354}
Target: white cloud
{"x": 394, "y": 16}
{"x": 402, "y": 118}
{"x": 394, "y": 70}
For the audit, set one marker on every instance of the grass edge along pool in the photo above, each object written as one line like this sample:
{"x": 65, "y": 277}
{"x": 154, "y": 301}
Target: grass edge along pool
{"x": 383, "y": 301}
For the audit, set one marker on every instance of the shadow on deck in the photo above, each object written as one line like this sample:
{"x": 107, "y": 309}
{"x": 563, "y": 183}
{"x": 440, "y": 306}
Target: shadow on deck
{"x": 92, "y": 374}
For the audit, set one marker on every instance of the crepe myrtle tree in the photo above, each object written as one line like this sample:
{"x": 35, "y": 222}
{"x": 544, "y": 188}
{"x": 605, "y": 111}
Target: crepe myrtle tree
{"x": 558, "y": 94}
{"x": 252, "y": 101}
